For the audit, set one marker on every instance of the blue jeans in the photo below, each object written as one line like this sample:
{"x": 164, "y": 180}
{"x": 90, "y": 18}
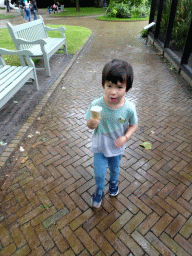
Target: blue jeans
{"x": 28, "y": 14}
{"x": 35, "y": 15}
{"x": 100, "y": 168}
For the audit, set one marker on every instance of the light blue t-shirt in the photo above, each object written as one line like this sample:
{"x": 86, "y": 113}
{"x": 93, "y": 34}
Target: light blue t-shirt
{"x": 114, "y": 124}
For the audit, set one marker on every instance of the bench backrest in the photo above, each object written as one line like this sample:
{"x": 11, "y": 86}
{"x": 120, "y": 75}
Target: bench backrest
{"x": 31, "y": 31}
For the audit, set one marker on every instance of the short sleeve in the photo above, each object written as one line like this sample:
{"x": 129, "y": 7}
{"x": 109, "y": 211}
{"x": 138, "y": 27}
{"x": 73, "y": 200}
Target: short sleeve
{"x": 133, "y": 119}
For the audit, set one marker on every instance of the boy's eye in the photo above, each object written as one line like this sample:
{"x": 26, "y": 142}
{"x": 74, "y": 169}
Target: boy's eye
{"x": 120, "y": 87}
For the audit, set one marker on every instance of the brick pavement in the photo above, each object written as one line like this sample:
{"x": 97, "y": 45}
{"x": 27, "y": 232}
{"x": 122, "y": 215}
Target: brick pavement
{"x": 45, "y": 200}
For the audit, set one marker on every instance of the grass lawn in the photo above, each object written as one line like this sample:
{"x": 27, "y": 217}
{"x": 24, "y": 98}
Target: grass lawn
{"x": 6, "y": 16}
{"x": 84, "y": 11}
{"x": 76, "y": 37}
{"x": 118, "y": 19}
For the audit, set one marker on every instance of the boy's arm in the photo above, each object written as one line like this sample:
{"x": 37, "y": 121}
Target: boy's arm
{"x": 123, "y": 139}
{"x": 130, "y": 131}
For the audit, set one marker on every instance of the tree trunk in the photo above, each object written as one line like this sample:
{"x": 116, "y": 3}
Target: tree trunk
{"x": 77, "y": 6}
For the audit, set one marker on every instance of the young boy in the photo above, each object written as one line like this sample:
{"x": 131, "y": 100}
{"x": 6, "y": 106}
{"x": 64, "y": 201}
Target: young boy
{"x": 113, "y": 129}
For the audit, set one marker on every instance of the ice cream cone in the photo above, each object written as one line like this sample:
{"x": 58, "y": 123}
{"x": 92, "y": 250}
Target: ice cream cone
{"x": 96, "y": 111}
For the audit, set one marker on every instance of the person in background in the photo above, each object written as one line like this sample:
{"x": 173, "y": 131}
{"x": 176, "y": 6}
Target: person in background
{"x": 33, "y": 8}
{"x": 58, "y": 6}
{"x": 54, "y": 7}
{"x": 27, "y": 11}
{"x": 5, "y": 4}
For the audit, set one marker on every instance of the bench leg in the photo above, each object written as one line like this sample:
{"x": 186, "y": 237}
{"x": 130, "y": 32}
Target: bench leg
{"x": 47, "y": 67}
{"x": 65, "y": 48}
{"x": 22, "y": 61}
{"x": 35, "y": 81}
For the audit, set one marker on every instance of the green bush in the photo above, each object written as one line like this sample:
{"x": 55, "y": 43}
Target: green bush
{"x": 125, "y": 9}
{"x": 144, "y": 33}
{"x": 140, "y": 11}
{"x": 118, "y": 10}
{"x": 122, "y": 10}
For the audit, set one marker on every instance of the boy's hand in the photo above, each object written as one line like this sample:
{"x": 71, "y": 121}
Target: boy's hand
{"x": 120, "y": 141}
{"x": 93, "y": 123}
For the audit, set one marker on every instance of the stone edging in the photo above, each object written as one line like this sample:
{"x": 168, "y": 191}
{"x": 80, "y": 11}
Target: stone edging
{"x": 16, "y": 141}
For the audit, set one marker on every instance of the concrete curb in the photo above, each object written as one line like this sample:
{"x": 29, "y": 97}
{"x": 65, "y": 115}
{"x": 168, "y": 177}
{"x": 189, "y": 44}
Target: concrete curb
{"x": 14, "y": 143}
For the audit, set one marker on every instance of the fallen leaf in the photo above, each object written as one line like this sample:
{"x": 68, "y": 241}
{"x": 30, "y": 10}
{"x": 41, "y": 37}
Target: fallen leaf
{"x": 37, "y": 132}
{"x": 172, "y": 68}
{"x": 44, "y": 138}
{"x": 63, "y": 88}
{"x": 21, "y": 149}
{"x": 34, "y": 145}
{"x": 146, "y": 145}
{"x": 39, "y": 118}
{"x": 24, "y": 160}
{"x": 30, "y": 136}
{"x": 152, "y": 132}
{"x": 15, "y": 101}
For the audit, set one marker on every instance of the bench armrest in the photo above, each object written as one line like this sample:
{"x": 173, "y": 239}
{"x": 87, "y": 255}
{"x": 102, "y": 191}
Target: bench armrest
{"x": 25, "y": 53}
{"x": 15, "y": 52}
{"x": 61, "y": 29}
{"x": 39, "y": 41}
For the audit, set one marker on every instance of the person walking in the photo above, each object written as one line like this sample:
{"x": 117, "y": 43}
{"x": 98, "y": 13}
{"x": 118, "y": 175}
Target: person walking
{"x": 33, "y": 8}
{"x": 116, "y": 124}
{"x": 7, "y": 6}
{"x": 27, "y": 11}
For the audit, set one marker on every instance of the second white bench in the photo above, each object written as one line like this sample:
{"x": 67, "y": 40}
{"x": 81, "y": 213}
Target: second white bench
{"x": 33, "y": 36}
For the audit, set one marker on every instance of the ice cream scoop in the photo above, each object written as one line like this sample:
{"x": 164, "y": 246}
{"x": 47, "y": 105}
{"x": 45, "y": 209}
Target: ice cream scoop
{"x": 95, "y": 111}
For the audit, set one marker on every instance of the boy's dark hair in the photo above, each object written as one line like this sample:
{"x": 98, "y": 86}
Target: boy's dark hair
{"x": 118, "y": 70}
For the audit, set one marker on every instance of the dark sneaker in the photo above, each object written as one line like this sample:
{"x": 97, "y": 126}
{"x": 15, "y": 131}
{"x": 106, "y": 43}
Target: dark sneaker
{"x": 113, "y": 188}
{"x": 97, "y": 198}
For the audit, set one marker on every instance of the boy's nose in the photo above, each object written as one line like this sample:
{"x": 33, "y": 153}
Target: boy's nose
{"x": 113, "y": 91}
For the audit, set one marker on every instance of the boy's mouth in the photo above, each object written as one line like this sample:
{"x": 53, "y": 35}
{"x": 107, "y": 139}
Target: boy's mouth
{"x": 113, "y": 99}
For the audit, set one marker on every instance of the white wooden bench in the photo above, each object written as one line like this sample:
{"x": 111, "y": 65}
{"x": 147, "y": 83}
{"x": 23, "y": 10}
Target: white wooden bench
{"x": 12, "y": 78}
{"x": 33, "y": 36}
{"x": 61, "y": 8}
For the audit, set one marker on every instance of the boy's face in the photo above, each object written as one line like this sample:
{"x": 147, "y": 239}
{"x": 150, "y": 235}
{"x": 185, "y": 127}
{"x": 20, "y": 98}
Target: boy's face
{"x": 114, "y": 92}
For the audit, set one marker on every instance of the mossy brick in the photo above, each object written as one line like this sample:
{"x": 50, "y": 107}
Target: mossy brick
{"x": 23, "y": 251}
{"x": 55, "y": 217}
{"x": 43, "y": 216}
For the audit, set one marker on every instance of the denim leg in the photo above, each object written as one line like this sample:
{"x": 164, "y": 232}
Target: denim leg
{"x": 114, "y": 163}
{"x": 29, "y": 13}
{"x": 100, "y": 168}
{"x": 35, "y": 16}
{"x": 25, "y": 14}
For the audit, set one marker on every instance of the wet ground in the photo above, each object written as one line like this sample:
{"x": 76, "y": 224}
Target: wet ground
{"x": 46, "y": 191}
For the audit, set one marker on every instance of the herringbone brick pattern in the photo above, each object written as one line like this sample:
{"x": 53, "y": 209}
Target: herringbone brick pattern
{"x": 46, "y": 198}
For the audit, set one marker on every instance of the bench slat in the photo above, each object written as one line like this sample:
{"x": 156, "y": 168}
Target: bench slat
{"x": 11, "y": 75}
{"x": 5, "y": 73}
{"x": 8, "y": 73}
{"x": 3, "y": 68}
{"x": 10, "y": 91}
